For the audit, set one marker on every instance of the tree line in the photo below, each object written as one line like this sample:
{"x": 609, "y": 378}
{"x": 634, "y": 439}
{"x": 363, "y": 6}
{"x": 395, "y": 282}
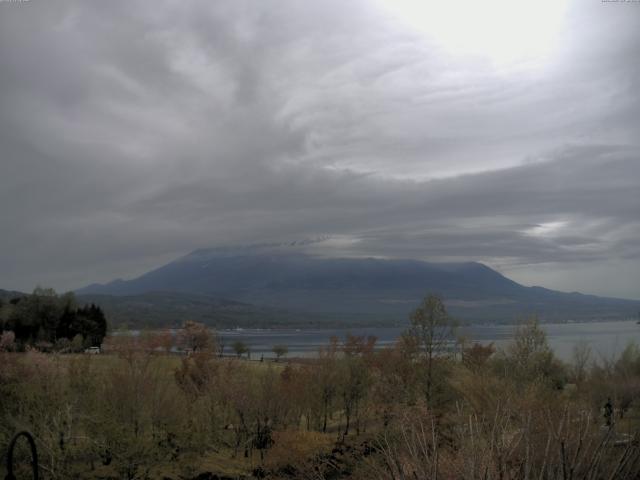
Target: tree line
{"x": 50, "y": 322}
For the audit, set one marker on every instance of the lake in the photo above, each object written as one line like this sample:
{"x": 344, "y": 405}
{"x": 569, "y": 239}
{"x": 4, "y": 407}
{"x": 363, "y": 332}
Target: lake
{"x": 606, "y": 339}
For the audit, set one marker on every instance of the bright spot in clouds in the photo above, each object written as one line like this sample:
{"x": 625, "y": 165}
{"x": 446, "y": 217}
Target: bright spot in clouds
{"x": 501, "y": 31}
{"x": 545, "y": 229}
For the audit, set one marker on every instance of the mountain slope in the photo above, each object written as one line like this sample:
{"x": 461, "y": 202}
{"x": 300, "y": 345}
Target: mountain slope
{"x": 7, "y": 295}
{"x": 172, "y": 309}
{"x": 292, "y": 281}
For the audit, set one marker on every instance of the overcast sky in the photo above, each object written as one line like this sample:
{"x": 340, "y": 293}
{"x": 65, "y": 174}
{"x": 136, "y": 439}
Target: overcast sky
{"x": 133, "y": 132}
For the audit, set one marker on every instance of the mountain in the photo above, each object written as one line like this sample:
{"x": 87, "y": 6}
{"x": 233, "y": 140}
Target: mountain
{"x": 285, "y": 279}
{"x": 171, "y": 309}
{"x": 6, "y": 295}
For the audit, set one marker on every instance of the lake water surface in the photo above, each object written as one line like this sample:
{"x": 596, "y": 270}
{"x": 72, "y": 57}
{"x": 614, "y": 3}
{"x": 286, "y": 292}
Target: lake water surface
{"x": 606, "y": 339}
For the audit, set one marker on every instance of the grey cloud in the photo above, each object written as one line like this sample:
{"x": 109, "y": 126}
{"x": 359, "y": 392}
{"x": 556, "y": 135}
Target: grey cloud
{"x": 132, "y": 133}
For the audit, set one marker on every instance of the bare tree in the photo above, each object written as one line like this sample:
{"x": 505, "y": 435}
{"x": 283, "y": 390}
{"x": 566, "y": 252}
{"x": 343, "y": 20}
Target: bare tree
{"x": 240, "y": 348}
{"x": 280, "y": 351}
{"x": 197, "y": 337}
{"x": 580, "y": 358}
{"x": 433, "y": 330}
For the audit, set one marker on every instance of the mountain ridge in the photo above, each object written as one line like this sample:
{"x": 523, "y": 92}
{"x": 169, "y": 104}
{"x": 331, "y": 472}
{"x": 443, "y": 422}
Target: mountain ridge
{"x": 291, "y": 280}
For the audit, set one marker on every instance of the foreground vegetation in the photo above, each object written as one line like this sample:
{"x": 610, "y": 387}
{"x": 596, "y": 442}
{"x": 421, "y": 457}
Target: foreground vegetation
{"x": 426, "y": 408}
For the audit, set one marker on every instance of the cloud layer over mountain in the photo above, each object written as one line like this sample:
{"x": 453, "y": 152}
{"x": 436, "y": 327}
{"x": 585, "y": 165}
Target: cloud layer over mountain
{"x": 134, "y": 132}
